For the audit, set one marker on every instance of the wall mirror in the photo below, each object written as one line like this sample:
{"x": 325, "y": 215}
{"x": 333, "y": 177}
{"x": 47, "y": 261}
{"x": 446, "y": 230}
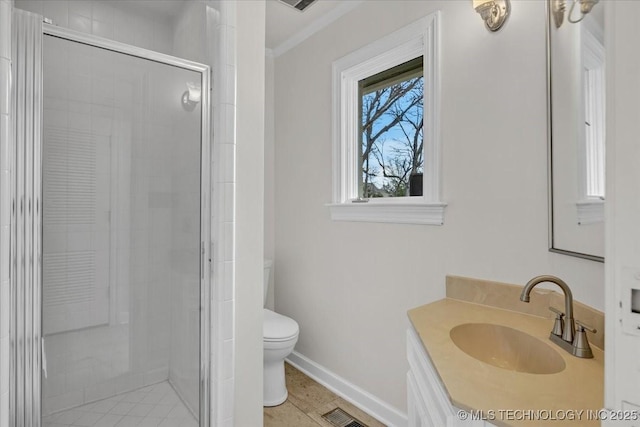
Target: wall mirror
{"x": 576, "y": 134}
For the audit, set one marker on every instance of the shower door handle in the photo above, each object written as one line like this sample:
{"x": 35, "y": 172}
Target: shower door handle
{"x": 44, "y": 358}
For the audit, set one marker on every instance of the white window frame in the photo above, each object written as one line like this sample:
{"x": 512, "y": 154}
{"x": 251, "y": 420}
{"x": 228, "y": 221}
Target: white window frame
{"x": 590, "y": 209}
{"x": 420, "y": 38}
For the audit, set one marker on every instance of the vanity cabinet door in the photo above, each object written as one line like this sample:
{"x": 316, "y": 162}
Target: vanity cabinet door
{"x": 430, "y": 398}
{"x": 417, "y": 410}
{"x": 428, "y": 402}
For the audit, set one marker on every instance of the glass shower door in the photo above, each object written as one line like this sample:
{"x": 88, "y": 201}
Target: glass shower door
{"x": 121, "y": 238}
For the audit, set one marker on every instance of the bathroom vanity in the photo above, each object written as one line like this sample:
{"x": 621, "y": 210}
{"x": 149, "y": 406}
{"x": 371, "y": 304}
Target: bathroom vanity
{"x": 464, "y": 370}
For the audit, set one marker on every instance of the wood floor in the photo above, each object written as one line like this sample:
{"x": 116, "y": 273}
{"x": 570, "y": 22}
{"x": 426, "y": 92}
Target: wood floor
{"x": 306, "y": 404}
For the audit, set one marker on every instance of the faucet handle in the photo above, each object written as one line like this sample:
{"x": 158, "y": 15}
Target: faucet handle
{"x": 581, "y": 347}
{"x": 558, "y": 324}
{"x": 582, "y": 327}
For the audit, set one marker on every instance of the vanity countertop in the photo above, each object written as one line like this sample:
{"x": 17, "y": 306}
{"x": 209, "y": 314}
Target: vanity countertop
{"x": 473, "y": 385}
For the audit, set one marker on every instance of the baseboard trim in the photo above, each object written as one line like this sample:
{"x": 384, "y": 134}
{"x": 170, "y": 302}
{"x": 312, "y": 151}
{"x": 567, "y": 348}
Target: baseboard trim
{"x": 364, "y": 400}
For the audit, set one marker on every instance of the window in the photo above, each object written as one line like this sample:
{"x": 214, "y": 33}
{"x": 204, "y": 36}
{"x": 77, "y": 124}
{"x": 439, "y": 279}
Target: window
{"x": 593, "y": 82}
{"x": 391, "y": 139}
{"x": 590, "y": 206}
{"x": 594, "y": 131}
{"x": 386, "y": 163}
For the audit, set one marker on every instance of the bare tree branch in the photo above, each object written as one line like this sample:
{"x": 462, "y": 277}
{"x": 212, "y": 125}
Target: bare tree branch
{"x": 395, "y": 107}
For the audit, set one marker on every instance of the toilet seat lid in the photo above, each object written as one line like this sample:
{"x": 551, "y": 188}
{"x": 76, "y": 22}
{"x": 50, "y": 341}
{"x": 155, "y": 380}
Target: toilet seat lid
{"x": 277, "y": 327}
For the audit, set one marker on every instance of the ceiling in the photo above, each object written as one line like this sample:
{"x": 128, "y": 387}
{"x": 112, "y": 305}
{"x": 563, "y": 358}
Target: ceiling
{"x": 162, "y": 8}
{"x": 284, "y": 21}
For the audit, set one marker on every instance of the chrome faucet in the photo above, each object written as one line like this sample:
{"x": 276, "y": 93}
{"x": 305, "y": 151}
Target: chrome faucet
{"x": 569, "y": 325}
{"x": 564, "y": 329}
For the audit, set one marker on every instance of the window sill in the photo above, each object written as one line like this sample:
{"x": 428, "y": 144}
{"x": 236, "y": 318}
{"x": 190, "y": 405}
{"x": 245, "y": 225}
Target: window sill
{"x": 590, "y": 211}
{"x": 397, "y": 213}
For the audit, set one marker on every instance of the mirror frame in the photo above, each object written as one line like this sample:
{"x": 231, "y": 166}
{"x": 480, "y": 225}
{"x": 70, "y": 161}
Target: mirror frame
{"x": 552, "y": 247}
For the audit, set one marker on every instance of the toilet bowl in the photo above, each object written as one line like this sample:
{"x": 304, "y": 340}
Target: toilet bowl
{"x": 280, "y": 334}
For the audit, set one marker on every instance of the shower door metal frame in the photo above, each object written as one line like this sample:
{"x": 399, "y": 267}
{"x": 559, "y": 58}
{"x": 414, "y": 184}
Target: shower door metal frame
{"x": 205, "y": 212}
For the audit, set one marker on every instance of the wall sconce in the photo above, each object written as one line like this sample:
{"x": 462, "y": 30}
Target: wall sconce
{"x": 191, "y": 97}
{"x": 559, "y": 7}
{"x": 494, "y": 13}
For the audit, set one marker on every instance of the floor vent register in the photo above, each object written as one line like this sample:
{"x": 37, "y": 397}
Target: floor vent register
{"x": 339, "y": 418}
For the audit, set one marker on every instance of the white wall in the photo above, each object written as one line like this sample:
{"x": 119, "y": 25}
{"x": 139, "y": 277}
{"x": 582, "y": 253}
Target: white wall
{"x": 349, "y": 285}
{"x": 269, "y": 172}
{"x": 249, "y": 250}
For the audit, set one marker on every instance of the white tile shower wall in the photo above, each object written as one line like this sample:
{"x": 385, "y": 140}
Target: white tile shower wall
{"x": 191, "y": 44}
{"x": 221, "y": 21}
{"x": 5, "y": 177}
{"x": 189, "y": 35}
{"x": 121, "y": 21}
{"x": 81, "y": 128}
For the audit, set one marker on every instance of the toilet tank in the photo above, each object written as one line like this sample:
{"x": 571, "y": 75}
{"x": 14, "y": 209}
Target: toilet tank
{"x": 265, "y": 280}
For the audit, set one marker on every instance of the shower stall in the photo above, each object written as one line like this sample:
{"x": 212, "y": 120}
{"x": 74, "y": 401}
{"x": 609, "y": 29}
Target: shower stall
{"x": 110, "y": 254}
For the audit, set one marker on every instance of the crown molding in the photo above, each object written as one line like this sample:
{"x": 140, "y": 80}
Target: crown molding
{"x": 315, "y": 26}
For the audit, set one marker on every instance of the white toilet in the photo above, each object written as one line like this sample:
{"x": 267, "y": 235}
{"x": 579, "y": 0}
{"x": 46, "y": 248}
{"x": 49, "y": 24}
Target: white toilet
{"x": 280, "y": 335}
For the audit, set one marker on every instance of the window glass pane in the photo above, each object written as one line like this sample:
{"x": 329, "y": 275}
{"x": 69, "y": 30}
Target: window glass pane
{"x": 594, "y": 132}
{"x": 391, "y": 137}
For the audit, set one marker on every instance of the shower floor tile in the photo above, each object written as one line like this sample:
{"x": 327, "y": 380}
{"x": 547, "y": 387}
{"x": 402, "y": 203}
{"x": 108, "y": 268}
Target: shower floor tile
{"x": 156, "y": 405}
